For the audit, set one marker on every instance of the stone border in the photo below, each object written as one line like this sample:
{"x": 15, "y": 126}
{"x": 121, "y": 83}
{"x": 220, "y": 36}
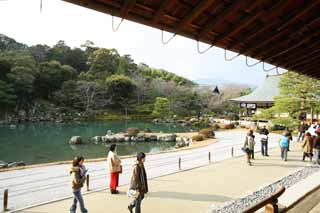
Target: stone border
{"x": 241, "y": 204}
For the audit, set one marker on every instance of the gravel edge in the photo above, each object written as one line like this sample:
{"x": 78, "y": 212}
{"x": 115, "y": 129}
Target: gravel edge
{"x": 241, "y": 204}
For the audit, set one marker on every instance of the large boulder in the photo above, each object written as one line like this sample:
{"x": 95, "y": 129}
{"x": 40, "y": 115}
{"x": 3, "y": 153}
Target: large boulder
{"x": 97, "y": 139}
{"x": 183, "y": 142}
{"x": 120, "y": 138}
{"x": 75, "y": 140}
{"x": 168, "y": 138}
{"x": 3, "y": 165}
{"x": 140, "y": 138}
{"x": 16, "y": 164}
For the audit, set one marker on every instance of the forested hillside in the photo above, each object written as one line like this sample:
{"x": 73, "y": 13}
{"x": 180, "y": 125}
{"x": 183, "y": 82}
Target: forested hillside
{"x": 50, "y": 82}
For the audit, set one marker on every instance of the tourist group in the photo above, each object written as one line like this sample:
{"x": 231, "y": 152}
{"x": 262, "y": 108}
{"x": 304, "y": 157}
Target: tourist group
{"x": 308, "y": 134}
{"x": 138, "y": 185}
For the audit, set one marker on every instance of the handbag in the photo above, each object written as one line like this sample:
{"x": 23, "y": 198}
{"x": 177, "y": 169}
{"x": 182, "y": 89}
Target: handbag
{"x": 120, "y": 172}
{"x": 245, "y": 149}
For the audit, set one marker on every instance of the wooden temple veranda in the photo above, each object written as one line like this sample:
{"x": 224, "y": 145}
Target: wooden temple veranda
{"x": 284, "y": 33}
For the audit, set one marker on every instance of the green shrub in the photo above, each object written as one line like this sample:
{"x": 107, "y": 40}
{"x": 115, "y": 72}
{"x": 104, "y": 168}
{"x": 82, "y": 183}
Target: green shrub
{"x": 132, "y": 131}
{"x": 207, "y": 133}
{"x": 197, "y": 138}
{"x": 215, "y": 126}
{"x": 229, "y": 126}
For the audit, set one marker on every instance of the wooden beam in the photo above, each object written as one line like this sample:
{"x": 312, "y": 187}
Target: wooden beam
{"x": 220, "y": 17}
{"x": 296, "y": 44}
{"x": 277, "y": 7}
{"x": 243, "y": 23}
{"x": 296, "y": 30}
{"x": 160, "y": 11}
{"x": 291, "y": 18}
{"x": 307, "y": 63}
{"x": 305, "y": 45}
{"x": 303, "y": 62}
{"x": 305, "y": 52}
{"x": 314, "y": 73}
{"x": 128, "y": 5}
{"x": 195, "y": 12}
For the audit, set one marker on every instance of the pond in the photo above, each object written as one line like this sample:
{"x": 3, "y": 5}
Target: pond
{"x": 48, "y": 142}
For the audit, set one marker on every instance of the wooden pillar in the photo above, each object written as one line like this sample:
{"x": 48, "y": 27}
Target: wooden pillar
{"x": 272, "y": 207}
{"x": 5, "y": 200}
{"x": 88, "y": 181}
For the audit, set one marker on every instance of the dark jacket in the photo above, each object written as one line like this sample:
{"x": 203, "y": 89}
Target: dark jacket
{"x": 264, "y": 131}
{"x": 316, "y": 143}
{"x": 302, "y": 128}
{"x": 139, "y": 179}
{"x": 77, "y": 180}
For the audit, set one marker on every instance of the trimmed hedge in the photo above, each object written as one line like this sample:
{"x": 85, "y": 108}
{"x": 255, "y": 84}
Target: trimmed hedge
{"x": 207, "y": 133}
{"x": 229, "y": 126}
{"x": 133, "y": 131}
{"x": 197, "y": 138}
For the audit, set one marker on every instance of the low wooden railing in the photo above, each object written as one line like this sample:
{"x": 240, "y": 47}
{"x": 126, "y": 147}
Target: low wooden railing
{"x": 270, "y": 203}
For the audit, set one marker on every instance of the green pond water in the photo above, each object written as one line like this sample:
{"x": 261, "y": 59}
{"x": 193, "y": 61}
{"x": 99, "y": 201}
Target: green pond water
{"x": 48, "y": 142}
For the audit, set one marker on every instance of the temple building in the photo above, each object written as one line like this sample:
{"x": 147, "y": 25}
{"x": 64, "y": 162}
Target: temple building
{"x": 262, "y": 97}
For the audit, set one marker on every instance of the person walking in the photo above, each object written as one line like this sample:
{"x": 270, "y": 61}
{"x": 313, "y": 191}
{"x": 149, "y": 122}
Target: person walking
{"x": 264, "y": 132}
{"x": 284, "y": 145}
{"x": 287, "y": 132}
{"x": 248, "y": 146}
{"x": 115, "y": 168}
{"x": 302, "y": 130}
{"x": 139, "y": 183}
{"x": 307, "y": 146}
{"x": 316, "y": 146}
{"x": 78, "y": 180}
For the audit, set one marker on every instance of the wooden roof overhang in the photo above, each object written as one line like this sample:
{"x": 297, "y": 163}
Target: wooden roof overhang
{"x": 284, "y": 33}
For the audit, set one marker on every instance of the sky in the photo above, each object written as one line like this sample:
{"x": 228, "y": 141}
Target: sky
{"x": 59, "y": 20}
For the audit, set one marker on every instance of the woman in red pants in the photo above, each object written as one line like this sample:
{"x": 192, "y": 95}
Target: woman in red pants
{"x": 115, "y": 168}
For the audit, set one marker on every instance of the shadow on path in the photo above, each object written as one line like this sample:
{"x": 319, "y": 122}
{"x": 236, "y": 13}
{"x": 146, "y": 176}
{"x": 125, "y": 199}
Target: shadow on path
{"x": 189, "y": 196}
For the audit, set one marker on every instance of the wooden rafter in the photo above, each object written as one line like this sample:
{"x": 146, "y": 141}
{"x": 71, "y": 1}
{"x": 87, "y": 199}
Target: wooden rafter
{"x": 229, "y": 9}
{"x": 297, "y": 28}
{"x": 301, "y": 44}
{"x": 284, "y": 33}
{"x": 160, "y": 11}
{"x": 314, "y": 58}
{"x": 277, "y": 7}
{"x": 291, "y": 19}
{"x": 195, "y": 12}
{"x": 305, "y": 56}
{"x": 128, "y": 5}
{"x": 244, "y": 22}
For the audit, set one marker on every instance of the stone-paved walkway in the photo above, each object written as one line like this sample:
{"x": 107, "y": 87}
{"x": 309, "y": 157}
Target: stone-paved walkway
{"x": 195, "y": 190}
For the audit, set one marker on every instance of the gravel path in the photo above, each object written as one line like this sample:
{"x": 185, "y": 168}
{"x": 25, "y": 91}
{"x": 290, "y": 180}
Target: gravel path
{"x": 34, "y": 186}
{"x": 237, "y": 206}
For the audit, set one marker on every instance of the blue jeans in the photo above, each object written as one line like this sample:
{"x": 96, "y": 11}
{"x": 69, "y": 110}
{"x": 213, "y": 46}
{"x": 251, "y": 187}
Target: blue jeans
{"x": 137, "y": 203}
{"x": 264, "y": 148}
{"x": 77, "y": 197}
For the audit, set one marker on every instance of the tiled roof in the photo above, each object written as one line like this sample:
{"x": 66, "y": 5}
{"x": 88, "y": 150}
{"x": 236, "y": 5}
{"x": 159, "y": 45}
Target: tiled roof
{"x": 265, "y": 93}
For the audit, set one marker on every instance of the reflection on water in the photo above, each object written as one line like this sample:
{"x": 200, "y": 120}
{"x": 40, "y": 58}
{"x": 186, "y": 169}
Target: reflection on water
{"x": 48, "y": 142}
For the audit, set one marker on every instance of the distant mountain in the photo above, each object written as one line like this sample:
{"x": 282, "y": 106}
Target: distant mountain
{"x": 220, "y": 82}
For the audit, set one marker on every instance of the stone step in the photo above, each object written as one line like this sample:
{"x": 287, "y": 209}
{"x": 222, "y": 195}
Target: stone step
{"x": 311, "y": 204}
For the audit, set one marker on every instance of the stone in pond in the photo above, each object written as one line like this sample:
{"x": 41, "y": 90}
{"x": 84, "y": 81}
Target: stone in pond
{"x": 75, "y": 140}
